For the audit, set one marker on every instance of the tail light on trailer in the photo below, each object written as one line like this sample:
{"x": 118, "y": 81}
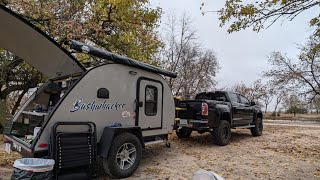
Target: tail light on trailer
{"x": 205, "y": 109}
{"x": 42, "y": 145}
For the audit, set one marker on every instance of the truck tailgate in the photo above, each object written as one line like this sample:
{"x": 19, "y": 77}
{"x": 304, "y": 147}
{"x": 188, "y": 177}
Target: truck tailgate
{"x": 190, "y": 109}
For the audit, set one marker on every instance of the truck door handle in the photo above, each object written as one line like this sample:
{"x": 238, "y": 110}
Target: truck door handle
{"x": 140, "y": 104}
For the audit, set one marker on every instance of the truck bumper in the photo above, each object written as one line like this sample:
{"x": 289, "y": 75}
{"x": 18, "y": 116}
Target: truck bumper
{"x": 192, "y": 123}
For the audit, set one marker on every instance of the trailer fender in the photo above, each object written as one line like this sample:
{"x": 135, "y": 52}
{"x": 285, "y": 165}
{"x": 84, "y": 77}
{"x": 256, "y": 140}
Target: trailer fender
{"x": 110, "y": 132}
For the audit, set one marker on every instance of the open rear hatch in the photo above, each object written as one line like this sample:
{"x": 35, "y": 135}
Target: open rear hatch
{"x": 35, "y": 47}
{"x": 26, "y": 41}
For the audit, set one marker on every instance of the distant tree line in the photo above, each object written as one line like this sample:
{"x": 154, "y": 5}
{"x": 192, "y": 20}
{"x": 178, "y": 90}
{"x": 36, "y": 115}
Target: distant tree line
{"x": 285, "y": 100}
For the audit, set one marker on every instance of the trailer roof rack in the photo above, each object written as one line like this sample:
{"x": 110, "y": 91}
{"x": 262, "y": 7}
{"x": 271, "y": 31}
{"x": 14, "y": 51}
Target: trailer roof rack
{"x": 84, "y": 48}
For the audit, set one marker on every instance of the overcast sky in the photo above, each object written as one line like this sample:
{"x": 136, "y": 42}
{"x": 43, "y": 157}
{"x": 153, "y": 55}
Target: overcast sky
{"x": 242, "y": 55}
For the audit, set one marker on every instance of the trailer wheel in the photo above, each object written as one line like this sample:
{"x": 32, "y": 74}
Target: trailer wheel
{"x": 258, "y": 128}
{"x": 124, "y": 156}
{"x": 222, "y": 133}
{"x": 183, "y": 133}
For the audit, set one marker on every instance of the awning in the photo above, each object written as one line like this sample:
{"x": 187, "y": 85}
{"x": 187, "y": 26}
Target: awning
{"x": 84, "y": 48}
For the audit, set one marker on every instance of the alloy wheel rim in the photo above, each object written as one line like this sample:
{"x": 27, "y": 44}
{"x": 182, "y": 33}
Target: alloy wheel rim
{"x": 126, "y": 156}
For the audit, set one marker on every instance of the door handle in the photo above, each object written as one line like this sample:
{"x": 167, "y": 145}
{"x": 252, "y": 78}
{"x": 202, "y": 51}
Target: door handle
{"x": 140, "y": 104}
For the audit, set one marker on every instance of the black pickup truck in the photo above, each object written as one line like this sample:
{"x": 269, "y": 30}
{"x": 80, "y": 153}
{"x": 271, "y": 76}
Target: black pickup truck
{"x": 217, "y": 112}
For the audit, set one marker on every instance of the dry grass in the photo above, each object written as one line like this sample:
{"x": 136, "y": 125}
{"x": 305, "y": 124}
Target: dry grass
{"x": 7, "y": 160}
{"x": 284, "y": 116}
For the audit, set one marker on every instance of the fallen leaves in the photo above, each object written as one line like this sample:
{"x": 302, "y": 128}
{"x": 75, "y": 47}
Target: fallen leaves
{"x": 7, "y": 160}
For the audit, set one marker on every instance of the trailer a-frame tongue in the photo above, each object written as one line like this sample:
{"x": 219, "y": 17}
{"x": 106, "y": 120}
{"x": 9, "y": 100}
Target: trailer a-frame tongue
{"x": 28, "y": 42}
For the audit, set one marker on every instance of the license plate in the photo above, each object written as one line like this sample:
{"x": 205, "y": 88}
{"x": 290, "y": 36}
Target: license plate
{"x": 183, "y": 122}
{"x": 8, "y": 148}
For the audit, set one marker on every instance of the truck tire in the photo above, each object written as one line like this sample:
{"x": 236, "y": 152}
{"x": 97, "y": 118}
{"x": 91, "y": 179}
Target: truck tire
{"x": 258, "y": 128}
{"x": 222, "y": 133}
{"x": 183, "y": 133}
{"x": 124, "y": 156}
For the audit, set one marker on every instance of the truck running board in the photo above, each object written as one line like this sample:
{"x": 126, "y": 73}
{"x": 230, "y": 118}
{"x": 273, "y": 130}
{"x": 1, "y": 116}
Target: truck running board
{"x": 154, "y": 142}
{"x": 244, "y": 127}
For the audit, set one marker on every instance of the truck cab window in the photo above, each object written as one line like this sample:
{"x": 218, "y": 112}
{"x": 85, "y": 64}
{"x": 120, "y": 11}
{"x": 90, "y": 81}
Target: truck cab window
{"x": 244, "y": 100}
{"x": 151, "y": 100}
{"x": 234, "y": 97}
{"x": 202, "y": 96}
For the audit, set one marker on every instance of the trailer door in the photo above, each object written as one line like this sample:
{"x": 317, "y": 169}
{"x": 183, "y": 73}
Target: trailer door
{"x": 150, "y": 104}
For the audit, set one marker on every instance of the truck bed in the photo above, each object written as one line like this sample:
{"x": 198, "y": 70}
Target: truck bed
{"x": 190, "y": 112}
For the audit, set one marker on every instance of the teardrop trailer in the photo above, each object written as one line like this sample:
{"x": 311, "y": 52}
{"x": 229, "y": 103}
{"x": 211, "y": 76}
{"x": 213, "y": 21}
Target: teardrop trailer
{"x": 108, "y": 111}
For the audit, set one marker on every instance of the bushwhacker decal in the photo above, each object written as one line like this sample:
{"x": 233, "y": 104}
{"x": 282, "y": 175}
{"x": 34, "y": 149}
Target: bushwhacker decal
{"x": 79, "y": 105}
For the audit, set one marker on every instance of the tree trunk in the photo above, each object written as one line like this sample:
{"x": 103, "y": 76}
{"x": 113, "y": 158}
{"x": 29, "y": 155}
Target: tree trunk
{"x": 17, "y": 103}
{"x": 265, "y": 110}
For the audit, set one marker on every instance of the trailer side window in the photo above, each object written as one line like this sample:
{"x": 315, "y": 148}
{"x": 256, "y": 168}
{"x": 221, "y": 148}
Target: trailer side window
{"x": 151, "y": 100}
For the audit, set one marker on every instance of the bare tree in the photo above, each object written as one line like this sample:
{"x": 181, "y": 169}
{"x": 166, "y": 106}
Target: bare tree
{"x": 301, "y": 75}
{"x": 196, "y": 66}
{"x": 315, "y": 104}
{"x": 279, "y": 96}
{"x": 241, "y": 88}
{"x": 267, "y": 96}
{"x": 294, "y": 104}
{"x": 253, "y": 92}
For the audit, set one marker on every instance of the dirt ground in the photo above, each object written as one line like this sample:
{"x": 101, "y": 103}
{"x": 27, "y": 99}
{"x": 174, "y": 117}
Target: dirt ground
{"x": 281, "y": 153}
{"x": 285, "y": 116}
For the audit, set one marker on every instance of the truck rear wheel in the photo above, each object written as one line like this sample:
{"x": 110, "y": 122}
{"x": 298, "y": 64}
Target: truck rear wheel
{"x": 124, "y": 156}
{"x": 258, "y": 128}
{"x": 183, "y": 133}
{"x": 222, "y": 133}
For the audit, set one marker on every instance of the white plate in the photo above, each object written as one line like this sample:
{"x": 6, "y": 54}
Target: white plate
{"x": 8, "y": 148}
{"x": 183, "y": 122}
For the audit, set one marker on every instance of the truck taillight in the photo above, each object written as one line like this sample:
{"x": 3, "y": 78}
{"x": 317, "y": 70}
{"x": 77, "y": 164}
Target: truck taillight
{"x": 205, "y": 109}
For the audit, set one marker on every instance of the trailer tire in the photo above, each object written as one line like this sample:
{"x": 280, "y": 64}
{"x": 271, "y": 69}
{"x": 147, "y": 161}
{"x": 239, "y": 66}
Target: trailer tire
{"x": 258, "y": 128}
{"x": 222, "y": 133}
{"x": 183, "y": 133}
{"x": 124, "y": 156}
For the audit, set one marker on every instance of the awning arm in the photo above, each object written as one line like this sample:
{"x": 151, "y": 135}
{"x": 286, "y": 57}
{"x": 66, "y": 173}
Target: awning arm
{"x": 84, "y": 48}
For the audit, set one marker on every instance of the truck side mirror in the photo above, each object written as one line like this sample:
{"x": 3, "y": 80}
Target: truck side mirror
{"x": 103, "y": 93}
{"x": 252, "y": 103}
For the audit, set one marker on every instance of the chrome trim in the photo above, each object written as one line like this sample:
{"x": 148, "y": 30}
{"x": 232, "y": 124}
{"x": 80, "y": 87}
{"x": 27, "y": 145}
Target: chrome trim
{"x": 199, "y": 121}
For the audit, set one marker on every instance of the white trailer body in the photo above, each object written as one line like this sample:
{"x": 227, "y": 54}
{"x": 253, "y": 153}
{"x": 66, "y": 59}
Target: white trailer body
{"x": 126, "y": 99}
{"x": 125, "y": 89}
